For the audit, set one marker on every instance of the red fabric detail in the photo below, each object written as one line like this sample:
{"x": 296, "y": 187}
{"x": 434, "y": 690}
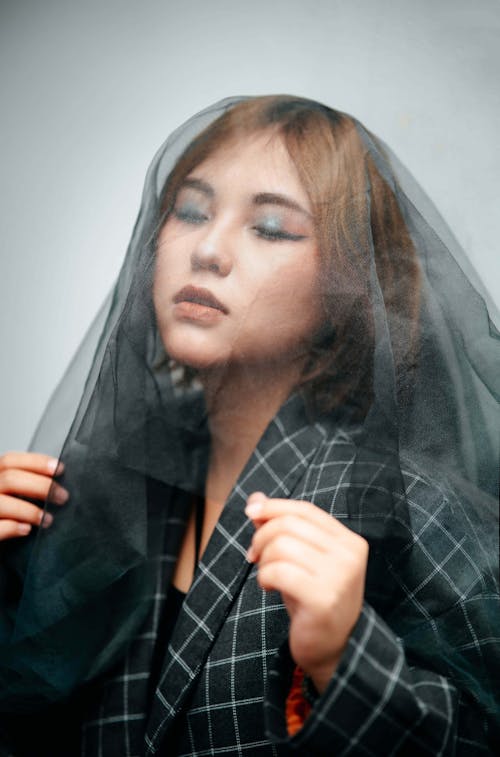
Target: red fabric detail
{"x": 297, "y": 707}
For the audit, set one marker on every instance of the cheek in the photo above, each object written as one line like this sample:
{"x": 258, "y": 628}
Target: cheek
{"x": 169, "y": 265}
{"x": 160, "y": 283}
{"x": 287, "y": 306}
{"x": 299, "y": 287}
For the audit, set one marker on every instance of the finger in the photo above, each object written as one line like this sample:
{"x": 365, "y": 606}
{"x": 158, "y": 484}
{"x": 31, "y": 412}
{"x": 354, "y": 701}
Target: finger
{"x": 285, "y": 548}
{"x": 12, "y": 508}
{"x": 291, "y": 525}
{"x": 33, "y": 485}
{"x": 290, "y": 580}
{"x": 261, "y": 509}
{"x": 12, "y": 529}
{"x": 31, "y": 461}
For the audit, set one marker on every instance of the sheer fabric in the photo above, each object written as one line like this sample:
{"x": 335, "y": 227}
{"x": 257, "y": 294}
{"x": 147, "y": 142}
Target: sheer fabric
{"x": 74, "y": 595}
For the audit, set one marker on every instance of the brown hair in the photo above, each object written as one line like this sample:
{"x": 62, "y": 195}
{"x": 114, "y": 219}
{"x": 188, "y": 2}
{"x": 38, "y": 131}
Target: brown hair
{"x": 355, "y": 211}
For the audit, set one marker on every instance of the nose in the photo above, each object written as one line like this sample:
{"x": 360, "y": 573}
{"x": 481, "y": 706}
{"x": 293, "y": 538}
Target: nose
{"x": 211, "y": 253}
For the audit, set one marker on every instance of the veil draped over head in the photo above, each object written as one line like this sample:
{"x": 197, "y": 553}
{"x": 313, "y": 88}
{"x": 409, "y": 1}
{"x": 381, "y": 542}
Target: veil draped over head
{"x": 415, "y": 373}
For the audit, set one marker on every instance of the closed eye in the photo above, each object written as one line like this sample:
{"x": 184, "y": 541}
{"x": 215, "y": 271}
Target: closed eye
{"x": 276, "y": 235}
{"x": 190, "y": 215}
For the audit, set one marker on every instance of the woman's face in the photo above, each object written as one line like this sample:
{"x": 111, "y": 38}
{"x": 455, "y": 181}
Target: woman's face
{"x": 237, "y": 266}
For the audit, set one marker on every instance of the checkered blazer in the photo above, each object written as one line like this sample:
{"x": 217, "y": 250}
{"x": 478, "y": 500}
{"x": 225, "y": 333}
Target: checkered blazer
{"x": 403, "y": 686}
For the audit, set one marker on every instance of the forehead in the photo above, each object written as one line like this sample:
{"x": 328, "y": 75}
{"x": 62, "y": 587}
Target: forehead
{"x": 251, "y": 165}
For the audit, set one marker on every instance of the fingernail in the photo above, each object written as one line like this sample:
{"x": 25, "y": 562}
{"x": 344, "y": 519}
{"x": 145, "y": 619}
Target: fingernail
{"x": 255, "y": 504}
{"x": 59, "y": 495}
{"x": 46, "y": 520}
{"x": 55, "y": 467}
{"x": 23, "y": 529}
{"x": 253, "y": 510}
{"x": 251, "y": 554}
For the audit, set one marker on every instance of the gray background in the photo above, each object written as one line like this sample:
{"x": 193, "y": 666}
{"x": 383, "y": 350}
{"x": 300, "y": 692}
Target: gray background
{"x": 90, "y": 89}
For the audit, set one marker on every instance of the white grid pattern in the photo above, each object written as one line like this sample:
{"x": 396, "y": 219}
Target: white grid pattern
{"x": 227, "y": 668}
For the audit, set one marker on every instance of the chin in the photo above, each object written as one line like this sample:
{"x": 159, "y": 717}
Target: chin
{"x": 194, "y": 353}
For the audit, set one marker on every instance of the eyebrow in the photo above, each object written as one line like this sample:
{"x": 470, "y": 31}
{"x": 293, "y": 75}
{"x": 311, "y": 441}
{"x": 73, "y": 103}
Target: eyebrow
{"x": 198, "y": 184}
{"x": 262, "y": 198}
{"x": 271, "y": 198}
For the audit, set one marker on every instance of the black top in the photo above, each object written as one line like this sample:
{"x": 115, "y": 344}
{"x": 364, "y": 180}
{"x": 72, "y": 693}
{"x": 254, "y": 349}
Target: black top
{"x": 172, "y": 606}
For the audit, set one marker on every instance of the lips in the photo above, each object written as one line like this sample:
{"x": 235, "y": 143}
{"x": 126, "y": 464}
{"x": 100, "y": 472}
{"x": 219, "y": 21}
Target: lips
{"x": 200, "y": 296}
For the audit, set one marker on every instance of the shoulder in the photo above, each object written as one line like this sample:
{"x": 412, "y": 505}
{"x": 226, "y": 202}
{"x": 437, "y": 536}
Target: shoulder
{"x": 454, "y": 534}
{"x": 431, "y": 529}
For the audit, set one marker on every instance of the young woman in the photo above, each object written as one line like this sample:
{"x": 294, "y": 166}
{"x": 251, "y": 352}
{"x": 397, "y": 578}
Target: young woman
{"x": 294, "y": 390}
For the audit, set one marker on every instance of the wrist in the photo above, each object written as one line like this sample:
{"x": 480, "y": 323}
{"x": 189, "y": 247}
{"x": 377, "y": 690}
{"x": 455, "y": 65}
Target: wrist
{"x": 321, "y": 676}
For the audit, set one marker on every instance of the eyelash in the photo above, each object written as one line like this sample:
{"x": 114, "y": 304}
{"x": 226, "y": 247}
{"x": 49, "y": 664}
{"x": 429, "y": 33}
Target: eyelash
{"x": 190, "y": 217}
{"x": 195, "y": 219}
{"x": 276, "y": 236}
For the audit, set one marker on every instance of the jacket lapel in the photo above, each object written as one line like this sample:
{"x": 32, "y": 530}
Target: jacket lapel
{"x": 275, "y": 467}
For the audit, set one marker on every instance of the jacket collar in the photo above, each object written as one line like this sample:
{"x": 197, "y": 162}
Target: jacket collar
{"x": 275, "y": 467}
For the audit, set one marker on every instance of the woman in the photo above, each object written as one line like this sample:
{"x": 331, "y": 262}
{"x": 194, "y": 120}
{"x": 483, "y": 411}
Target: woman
{"x": 279, "y": 349}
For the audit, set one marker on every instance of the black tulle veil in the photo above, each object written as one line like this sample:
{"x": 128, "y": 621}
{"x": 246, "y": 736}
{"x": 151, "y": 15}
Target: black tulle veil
{"x": 74, "y": 594}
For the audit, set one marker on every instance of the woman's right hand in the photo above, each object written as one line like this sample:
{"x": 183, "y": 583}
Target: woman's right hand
{"x": 27, "y": 474}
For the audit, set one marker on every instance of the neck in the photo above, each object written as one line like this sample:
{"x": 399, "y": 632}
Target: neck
{"x": 240, "y": 405}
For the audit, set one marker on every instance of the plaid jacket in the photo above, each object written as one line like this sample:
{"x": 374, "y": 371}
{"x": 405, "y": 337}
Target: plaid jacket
{"x": 405, "y": 681}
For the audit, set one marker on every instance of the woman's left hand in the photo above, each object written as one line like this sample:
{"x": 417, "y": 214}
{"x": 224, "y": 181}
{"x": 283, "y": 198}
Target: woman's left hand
{"x": 319, "y": 567}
